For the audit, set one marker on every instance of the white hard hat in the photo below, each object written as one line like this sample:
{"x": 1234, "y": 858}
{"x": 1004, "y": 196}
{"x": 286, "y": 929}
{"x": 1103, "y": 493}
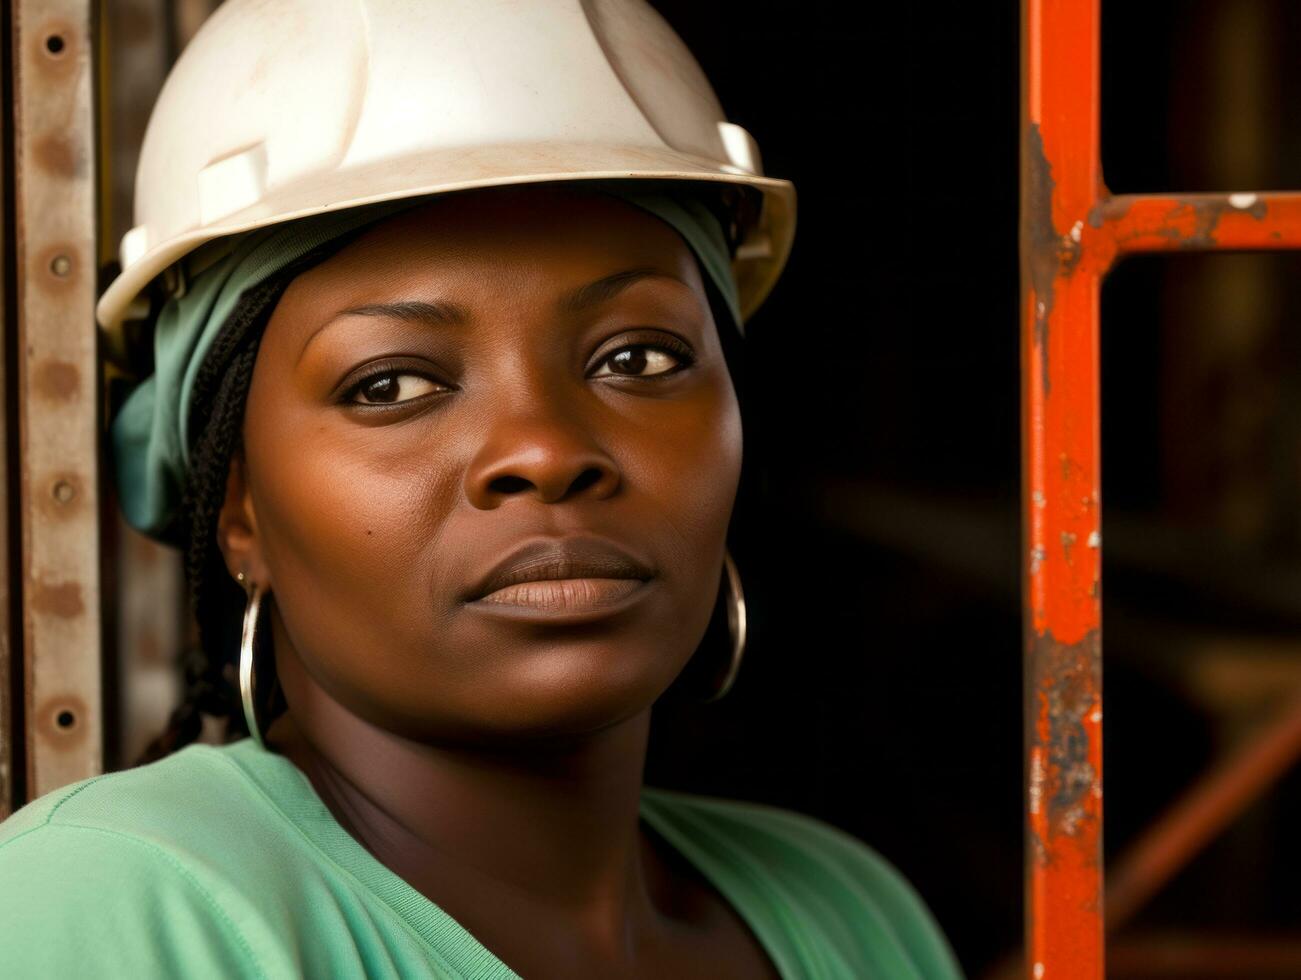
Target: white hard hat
{"x": 279, "y": 109}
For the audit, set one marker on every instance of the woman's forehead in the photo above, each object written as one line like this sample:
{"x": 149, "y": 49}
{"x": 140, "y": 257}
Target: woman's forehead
{"x": 539, "y": 240}
{"x": 530, "y": 252}
{"x": 517, "y": 225}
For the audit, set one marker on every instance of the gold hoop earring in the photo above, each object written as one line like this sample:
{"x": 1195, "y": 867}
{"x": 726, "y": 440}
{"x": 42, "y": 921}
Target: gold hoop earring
{"x": 736, "y": 626}
{"x": 247, "y": 646}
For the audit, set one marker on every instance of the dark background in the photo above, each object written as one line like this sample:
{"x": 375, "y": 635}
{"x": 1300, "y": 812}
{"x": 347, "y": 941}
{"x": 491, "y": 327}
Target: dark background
{"x": 882, "y": 687}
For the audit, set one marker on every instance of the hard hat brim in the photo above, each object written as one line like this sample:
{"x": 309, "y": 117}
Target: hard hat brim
{"x": 762, "y": 254}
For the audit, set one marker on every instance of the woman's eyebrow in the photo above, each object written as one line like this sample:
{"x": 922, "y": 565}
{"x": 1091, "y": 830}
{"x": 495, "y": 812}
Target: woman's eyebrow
{"x": 608, "y": 287}
{"x": 454, "y": 314}
{"x": 408, "y": 311}
{"x": 414, "y": 311}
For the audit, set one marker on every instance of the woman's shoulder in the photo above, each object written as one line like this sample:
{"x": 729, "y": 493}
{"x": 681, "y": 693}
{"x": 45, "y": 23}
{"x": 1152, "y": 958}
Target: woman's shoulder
{"x": 209, "y": 813}
{"x": 144, "y": 801}
{"x": 132, "y": 871}
{"x": 817, "y": 872}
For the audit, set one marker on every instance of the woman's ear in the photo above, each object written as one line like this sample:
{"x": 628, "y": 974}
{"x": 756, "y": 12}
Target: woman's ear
{"x": 237, "y": 534}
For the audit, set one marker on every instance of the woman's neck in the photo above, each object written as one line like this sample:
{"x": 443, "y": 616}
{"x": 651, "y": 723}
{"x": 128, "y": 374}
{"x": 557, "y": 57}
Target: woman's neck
{"x": 520, "y": 846}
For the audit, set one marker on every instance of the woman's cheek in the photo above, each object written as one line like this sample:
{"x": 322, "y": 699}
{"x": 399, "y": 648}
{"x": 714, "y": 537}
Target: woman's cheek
{"x": 339, "y": 514}
{"x": 699, "y": 454}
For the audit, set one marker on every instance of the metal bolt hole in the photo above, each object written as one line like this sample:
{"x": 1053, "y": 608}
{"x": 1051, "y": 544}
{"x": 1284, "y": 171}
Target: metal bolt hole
{"x": 55, "y": 44}
{"x": 65, "y": 719}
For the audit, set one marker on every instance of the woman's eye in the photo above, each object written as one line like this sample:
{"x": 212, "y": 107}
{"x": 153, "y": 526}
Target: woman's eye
{"x": 392, "y": 388}
{"x": 638, "y": 361}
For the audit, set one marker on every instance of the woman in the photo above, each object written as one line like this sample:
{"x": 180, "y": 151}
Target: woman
{"x": 454, "y": 469}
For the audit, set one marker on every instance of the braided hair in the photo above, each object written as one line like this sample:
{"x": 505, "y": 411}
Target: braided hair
{"x": 215, "y": 427}
{"x": 216, "y": 423}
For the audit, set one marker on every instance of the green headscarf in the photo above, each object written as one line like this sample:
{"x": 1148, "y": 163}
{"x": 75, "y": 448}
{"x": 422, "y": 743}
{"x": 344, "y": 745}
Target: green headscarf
{"x": 150, "y": 437}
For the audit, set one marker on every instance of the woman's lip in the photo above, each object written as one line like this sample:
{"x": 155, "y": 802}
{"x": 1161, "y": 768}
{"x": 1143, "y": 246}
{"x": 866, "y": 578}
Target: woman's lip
{"x": 562, "y": 601}
{"x": 578, "y": 558}
{"x": 564, "y": 594}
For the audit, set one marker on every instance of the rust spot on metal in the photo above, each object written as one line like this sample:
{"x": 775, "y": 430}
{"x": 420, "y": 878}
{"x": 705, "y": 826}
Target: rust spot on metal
{"x": 1040, "y": 246}
{"x": 56, "y": 268}
{"x": 60, "y": 599}
{"x": 1039, "y": 853}
{"x": 63, "y": 718}
{"x": 57, "y": 380}
{"x": 1067, "y": 679}
{"x": 1037, "y": 556}
{"x": 60, "y": 156}
{"x": 1100, "y": 214}
{"x": 1068, "y": 542}
{"x": 55, "y": 47}
{"x": 1049, "y": 252}
{"x": 64, "y": 498}
{"x": 1070, "y": 249}
{"x": 1207, "y": 212}
{"x": 1206, "y": 218}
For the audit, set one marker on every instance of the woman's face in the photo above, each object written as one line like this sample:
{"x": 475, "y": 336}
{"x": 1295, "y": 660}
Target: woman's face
{"x": 491, "y": 390}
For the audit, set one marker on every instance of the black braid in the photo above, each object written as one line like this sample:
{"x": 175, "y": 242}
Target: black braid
{"x": 216, "y": 425}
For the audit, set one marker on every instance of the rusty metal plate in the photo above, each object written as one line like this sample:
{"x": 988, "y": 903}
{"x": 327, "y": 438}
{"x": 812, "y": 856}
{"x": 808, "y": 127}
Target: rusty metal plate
{"x": 58, "y": 381}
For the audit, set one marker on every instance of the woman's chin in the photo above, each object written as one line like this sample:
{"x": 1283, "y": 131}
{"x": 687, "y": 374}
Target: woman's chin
{"x": 564, "y": 701}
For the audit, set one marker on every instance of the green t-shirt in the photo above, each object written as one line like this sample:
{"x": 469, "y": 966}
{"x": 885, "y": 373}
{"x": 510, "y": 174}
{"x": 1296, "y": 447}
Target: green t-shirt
{"x": 224, "y": 863}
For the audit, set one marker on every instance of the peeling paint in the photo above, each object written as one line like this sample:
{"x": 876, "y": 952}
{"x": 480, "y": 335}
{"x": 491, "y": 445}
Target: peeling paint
{"x": 1099, "y": 213}
{"x": 1036, "y": 782}
{"x": 1067, "y": 680}
{"x": 1040, "y": 247}
{"x": 1137, "y": 223}
{"x": 1207, "y": 212}
{"x": 1039, "y": 853}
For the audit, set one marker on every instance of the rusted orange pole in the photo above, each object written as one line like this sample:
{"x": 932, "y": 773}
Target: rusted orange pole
{"x": 1061, "y": 183}
{"x": 1072, "y": 230}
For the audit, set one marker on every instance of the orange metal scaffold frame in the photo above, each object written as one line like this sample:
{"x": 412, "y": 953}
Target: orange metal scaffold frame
{"x": 1072, "y": 231}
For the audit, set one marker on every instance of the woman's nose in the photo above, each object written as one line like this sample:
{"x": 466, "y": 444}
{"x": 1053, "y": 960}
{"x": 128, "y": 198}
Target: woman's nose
{"x": 547, "y": 456}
